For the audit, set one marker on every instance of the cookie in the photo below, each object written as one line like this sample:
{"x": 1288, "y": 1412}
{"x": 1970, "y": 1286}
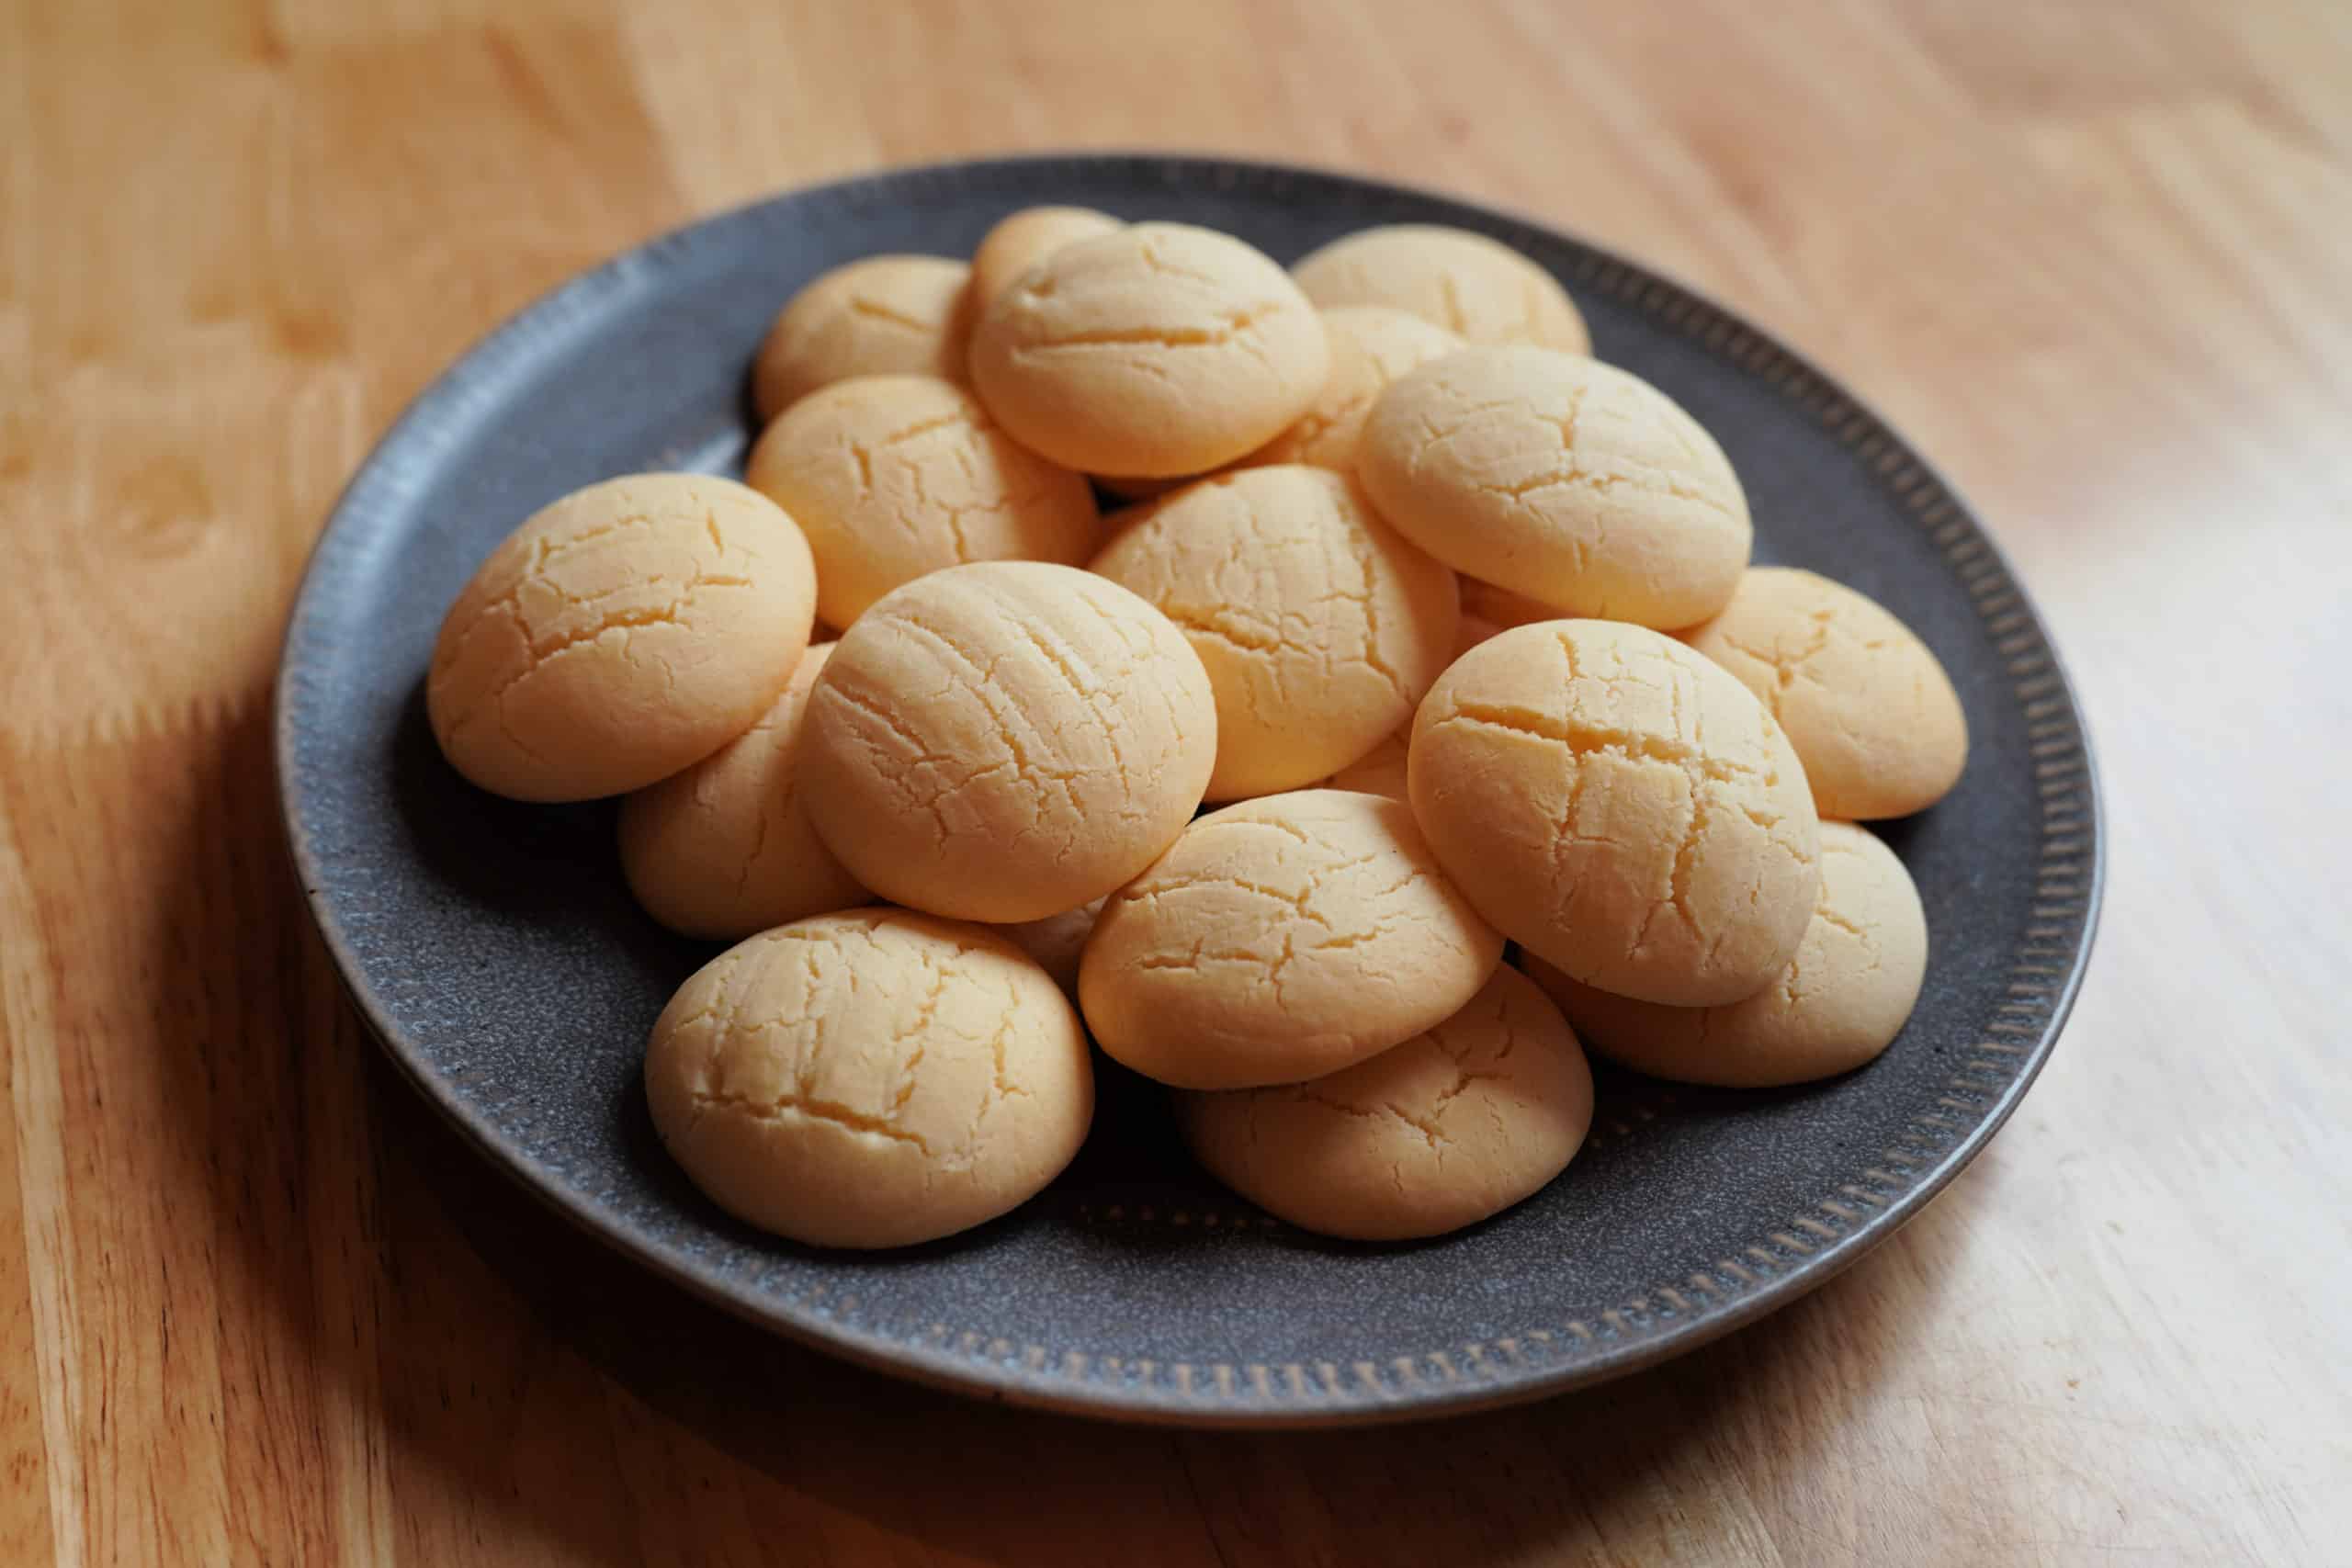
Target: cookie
{"x": 1576, "y": 484}
{"x": 1320, "y": 626}
{"x": 1005, "y": 740}
{"x": 1477, "y": 288}
{"x": 1371, "y": 346}
{"x": 1842, "y": 1001}
{"x": 1156, "y": 351}
{"x": 1451, "y": 1127}
{"x": 1281, "y": 940}
{"x": 618, "y": 634}
{"x": 1869, "y": 708}
{"x": 725, "y": 849}
{"x": 891, "y": 477}
{"x": 884, "y": 315}
{"x": 1020, "y": 240}
{"x": 1621, "y": 806}
{"x": 870, "y": 1079}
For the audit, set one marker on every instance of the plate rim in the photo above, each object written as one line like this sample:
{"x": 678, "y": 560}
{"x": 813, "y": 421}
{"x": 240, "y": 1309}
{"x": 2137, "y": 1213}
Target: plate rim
{"x": 439, "y": 408}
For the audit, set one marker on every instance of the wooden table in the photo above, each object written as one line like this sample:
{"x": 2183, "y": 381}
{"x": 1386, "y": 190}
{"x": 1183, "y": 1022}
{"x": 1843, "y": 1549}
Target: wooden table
{"x": 255, "y": 1306}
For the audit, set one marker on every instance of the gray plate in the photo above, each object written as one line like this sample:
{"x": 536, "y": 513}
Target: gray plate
{"x": 494, "y": 950}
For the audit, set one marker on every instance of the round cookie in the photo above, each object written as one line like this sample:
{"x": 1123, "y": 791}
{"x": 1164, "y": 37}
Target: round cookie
{"x": 1451, "y": 1127}
{"x": 1156, "y": 351}
{"x": 1866, "y": 704}
{"x": 1477, "y": 288}
{"x": 1058, "y": 939}
{"x": 1005, "y": 740}
{"x": 880, "y": 316}
{"x": 1371, "y": 346}
{"x": 618, "y": 634}
{"x": 891, "y": 477}
{"x": 870, "y": 1079}
{"x": 1020, "y": 240}
{"x": 1321, "y": 627}
{"x": 1281, "y": 940}
{"x": 725, "y": 849}
{"x": 1621, "y": 807}
{"x": 1380, "y": 771}
{"x": 1842, "y": 1001}
{"x": 1579, "y": 485}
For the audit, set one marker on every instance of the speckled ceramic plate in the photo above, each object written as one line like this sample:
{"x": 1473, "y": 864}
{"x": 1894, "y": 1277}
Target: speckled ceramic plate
{"x": 494, "y": 951}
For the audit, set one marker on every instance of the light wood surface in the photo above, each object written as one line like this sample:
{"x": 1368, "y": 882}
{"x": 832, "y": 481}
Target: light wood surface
{"x": 256, "y": 1306}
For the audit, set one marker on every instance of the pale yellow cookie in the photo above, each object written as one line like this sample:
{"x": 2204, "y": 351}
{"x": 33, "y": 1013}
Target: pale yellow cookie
{"x": 1842, "y": 1001}
{"x": 1281, "y": 940}
{"x": 884, "y": 315}
{"x": 1866, "y": 704}
{"x": 870, "y": 1079}
{"x": 1020, "y": 240}
{"x": 1058, "y": 939}
{"x": 1477, "y": 288}
{"x": 725, "y": 849}
{"x": 1451, "y": 1127}
{"x": 1620, "y": 806}
{"x": 894, "y": 476}
{"x": 1576, "y": 484}
{"x": 1156, "y": 351}
{"x": 1371, "y": 346}
{"x": 1005, "y": 740}
{"x": 619, "y": 634}
{"x": 1320, "y": 626}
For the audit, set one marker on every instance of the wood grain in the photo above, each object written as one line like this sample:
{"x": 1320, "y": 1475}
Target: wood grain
{"x": 254, "y": 1306}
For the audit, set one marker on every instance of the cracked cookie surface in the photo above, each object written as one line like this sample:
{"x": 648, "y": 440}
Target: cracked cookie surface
{"x": 891, "y": 477}
{"x": 1477, "y": 288}
{"x": 1621, "y": 806}
{"x": 1320, "y": 626}
{"x": 618, "y": 634}
{"x": 882, "y": 315}
{"x": 874, "y": 1078}
{"x": 1005, "y": 740}
{"x": 1866, "y": 704}
{"x": 1157, "y": 350}
{"x": 1842, "y": 1001}
{"x": 1453, "y": 1125}
{"x": 1281, "y": 940}
{"x": 725, "y": 848}
{"x": 1576, "y": 484}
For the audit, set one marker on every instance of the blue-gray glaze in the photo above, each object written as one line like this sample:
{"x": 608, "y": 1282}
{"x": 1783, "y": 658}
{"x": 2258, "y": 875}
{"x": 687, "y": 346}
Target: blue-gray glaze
{"x": 494, "y": 950}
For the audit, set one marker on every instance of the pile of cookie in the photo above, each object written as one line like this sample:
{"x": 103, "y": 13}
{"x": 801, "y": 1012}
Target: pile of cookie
{"x": 1451, "y": 624}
